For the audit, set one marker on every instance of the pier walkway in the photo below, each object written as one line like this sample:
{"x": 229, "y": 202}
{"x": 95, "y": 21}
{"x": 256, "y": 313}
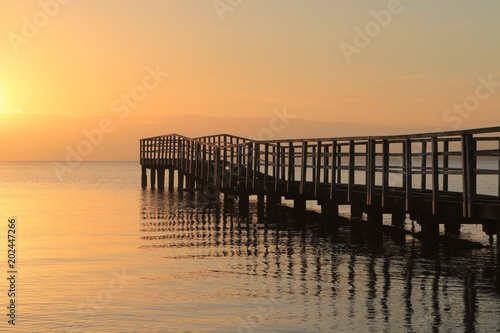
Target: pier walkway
{"x": 449, "y": 178}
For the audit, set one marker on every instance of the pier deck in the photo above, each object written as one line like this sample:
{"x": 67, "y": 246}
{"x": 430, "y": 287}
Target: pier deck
{"x": 433, "y": 177}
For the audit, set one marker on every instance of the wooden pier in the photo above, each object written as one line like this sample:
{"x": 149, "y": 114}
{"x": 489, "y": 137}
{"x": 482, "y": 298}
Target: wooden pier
{"x": 434, "y": 178}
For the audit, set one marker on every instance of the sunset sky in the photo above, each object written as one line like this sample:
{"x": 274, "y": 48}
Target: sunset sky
{"x": 130, "y": 69}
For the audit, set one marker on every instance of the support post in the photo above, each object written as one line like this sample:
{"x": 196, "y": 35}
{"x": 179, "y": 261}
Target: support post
{"x": 375, "y": 218}
{"x": 430, "y": 227}
{"x": 261, "y": 200}
{"x": 398, "y": 218}
{"x": 243, "y": 203}
{"x": 273, "y": 199}
{"x": 171, "y": 179}
{"x": 299, "y": 205}
{"x": 180, "y": 181}
{"x": 272, "y": 202}
{"x": 452, "y": 228}
{"x": 153, "y": 177}
{"x": 330, "y": 210}
{"x": 161, "y": 179}
{"x": 144, "y": 178}
{"x": 356, "y": 211}
{"x": 189, "y": 182}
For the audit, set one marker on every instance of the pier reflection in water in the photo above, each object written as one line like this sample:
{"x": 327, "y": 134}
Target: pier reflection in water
{"x": 297, "y": 275}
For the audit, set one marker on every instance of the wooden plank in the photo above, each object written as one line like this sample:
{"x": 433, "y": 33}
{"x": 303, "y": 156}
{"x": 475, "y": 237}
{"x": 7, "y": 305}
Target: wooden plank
{"x": 435, "y": 176}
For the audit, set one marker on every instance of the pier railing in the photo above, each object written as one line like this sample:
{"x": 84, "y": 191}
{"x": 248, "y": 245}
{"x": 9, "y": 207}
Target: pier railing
{"x": 437, "y": 168}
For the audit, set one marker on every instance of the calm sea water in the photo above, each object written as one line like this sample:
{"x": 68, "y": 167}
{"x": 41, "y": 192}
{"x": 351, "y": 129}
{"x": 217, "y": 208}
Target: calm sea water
{"x": 96, "y": 253}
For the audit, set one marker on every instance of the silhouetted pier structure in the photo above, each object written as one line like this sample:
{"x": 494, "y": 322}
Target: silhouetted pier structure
{"x": 432, "y": 177}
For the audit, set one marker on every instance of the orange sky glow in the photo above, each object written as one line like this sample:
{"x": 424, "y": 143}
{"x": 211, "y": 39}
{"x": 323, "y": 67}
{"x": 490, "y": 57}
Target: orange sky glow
{"x": 111, "y": 72}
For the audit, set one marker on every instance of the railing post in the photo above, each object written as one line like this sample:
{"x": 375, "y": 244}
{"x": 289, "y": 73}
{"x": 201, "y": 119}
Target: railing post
{"x": 277, "y": 165}
{"x": 209, "y": 163}
{"x": 435, "y": 176}
{"x": 266, "y": 164}
{"x": 423, "y": 179}
{"x": 203, "y": 161}
{"x": 303, "y": 167}
{"x": 333, "y": 170}
{"x": 291, "y": 166}
{"x": 282, "y": 152}
{"x": 256, "y": 167}
{"x": 318, "y": 168}
{"x": 231, "y": 168}
{"x": 370, "y": 171}
{"x": 239, "y": 163}
{"x": 249, "y": 173}
{"x": 385, "y": 171}
{"x": 224, "y": 163}
{"x": 408, "y": 174}
{"x": 352, "y": 174}
{"x": 446, "y": 164}
{"x": 196, "y": 158}
{"x": 216, "y": 165}
{"x": 141, "y": 158}
{"x": 339, "y": 164}
{"x": 326, "y": 156}
{"x": 469, "y": 174}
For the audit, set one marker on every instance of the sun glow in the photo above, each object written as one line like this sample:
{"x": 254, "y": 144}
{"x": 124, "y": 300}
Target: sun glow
{"x": 1, "y": 102}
